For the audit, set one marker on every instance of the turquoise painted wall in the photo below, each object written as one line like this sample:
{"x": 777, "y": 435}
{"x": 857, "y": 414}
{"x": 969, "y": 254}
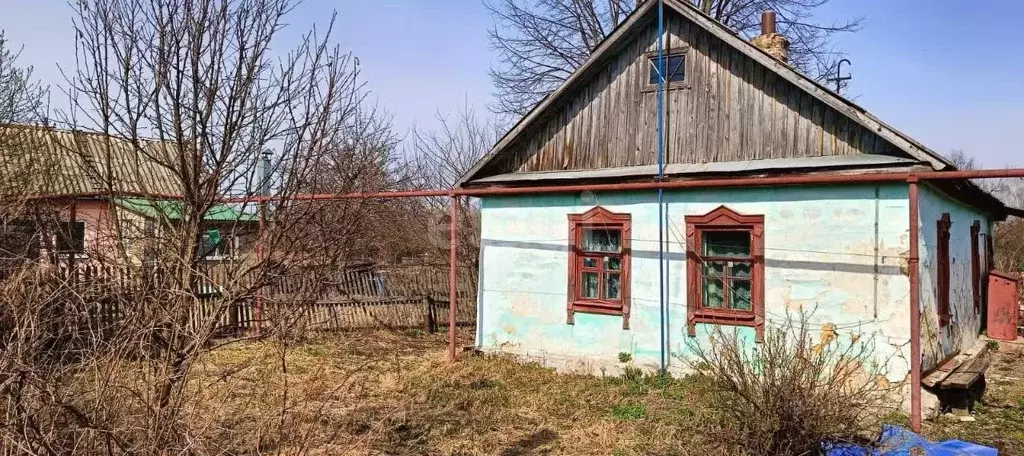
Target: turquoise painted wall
{"x": 939, "y": 343}
{"x": 820, "y": 257}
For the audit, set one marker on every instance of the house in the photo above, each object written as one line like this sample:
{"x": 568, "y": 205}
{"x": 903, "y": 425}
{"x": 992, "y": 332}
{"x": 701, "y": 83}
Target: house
{"x": 104, "y": 190}
{"x": 572, "y": 279}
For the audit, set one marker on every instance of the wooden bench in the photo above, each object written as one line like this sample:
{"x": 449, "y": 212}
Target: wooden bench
{"x": 961, "y": 371}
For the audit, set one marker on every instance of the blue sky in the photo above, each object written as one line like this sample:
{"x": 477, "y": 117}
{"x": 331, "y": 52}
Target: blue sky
{"x": 949, "y": 74}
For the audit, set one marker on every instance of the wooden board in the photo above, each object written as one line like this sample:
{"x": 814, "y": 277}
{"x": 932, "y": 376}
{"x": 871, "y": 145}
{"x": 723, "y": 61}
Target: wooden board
{"x": 968, "y": 373}
{"x": 961, "y": 371}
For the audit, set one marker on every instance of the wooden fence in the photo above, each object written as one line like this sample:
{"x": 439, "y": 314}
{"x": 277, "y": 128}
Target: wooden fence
{"x": 400, "y": 297}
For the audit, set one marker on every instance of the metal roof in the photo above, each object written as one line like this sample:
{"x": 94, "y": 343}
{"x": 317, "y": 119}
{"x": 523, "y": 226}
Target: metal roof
{"x": 833, "y": 162}
{"x": 172, "y": 210}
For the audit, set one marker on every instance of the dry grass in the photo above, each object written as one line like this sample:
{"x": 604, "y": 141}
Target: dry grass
{"x": 394, "y": 393}
{"x": 391, "y": 393}
{"x": 1000, "y": 415}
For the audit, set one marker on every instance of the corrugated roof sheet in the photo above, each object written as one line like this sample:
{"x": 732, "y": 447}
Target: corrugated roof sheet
{"x": 48, "y": 161}
{"x": 172, "y": 210}
{"x": 735, "y": 167}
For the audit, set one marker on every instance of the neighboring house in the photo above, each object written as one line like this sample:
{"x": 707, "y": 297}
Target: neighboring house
{"x": 572, "y": 279}
{"x": 94, "y": 182}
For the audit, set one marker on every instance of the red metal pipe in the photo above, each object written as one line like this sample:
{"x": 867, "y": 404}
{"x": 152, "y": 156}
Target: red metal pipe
{"x": 453, "y": 291}
{"x": 875, "y": 177}
{"x": 913, "y": 263}
{"x": 342, "y": 196}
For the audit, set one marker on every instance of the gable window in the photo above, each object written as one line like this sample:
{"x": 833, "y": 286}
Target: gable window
{"x": 71, "y": 238}
{"x": 599, "y": 260}
{"x": 725, "y": 270}
{"x": 675, "y": 70}
{"x": 976, "y": 265}
{"x": 942, "y": 269}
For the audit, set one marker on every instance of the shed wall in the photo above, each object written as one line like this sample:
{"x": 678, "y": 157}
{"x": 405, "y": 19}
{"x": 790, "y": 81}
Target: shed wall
{"x": 836, "y": 253}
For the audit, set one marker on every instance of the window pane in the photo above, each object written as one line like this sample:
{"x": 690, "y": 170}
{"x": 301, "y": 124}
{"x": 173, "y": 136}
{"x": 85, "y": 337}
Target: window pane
{"x": 726, "y": 243}
{"x": 675, "y": 68}
{"x": 713, "y": 269}
{"x": 741, "y": 295}
{"x": 613, "y": 263}
{"x": 590, "y": 262}
{"x": 601, "y": 240}
{"x": 71, "y": 237}
{"x": 612, "y": 286}
{"x": 713, "y": 293}
{"x": 589, "y": 285}
{"x": 741, "y": 270}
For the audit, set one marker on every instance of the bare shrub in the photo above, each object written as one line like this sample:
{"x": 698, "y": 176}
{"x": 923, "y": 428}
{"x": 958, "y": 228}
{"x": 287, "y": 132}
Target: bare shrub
{"x": 793, "y": 392}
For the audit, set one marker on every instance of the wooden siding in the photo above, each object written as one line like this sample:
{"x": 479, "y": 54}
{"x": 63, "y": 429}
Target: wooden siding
{"x": 730, "y": 108}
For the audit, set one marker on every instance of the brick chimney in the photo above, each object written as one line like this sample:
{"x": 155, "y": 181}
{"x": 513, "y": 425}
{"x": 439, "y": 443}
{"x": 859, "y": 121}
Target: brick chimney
{"x": 771, "y": 42}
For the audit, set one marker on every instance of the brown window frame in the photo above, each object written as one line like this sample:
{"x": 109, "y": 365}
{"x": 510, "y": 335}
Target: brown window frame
{"x": 598, "y": 217}
{"x": 943, "y": 226}
{"x": 652, "y": 61}
{"x": 724, "y": 219}
{"x": 976, "y": 265}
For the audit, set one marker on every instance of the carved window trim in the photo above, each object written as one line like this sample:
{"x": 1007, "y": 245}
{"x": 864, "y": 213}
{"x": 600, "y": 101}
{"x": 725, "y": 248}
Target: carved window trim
{"x": 722, "y": 219}
{"x": 598, "y": 217}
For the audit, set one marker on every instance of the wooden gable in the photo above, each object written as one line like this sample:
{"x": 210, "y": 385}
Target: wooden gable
{"x": 733, "y": 105}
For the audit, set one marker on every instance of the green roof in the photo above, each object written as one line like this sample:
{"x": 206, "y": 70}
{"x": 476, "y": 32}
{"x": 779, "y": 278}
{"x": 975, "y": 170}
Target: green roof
{"x": 172, "y": 210}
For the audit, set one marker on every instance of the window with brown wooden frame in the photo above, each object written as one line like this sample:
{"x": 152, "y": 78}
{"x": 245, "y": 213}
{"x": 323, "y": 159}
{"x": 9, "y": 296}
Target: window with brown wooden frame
{"x": 725, "y": 270}
{"x": 942, "y": 269}
{"x": 599, "y": 262}
{"x": 675, "y": 70}
{"x": 976, "y": 265}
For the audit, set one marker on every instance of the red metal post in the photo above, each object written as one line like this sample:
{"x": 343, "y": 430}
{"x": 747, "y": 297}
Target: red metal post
{"x": 453, "y": 292}
{"x": 259, "y": 257}
{"x": 913, "y": 263}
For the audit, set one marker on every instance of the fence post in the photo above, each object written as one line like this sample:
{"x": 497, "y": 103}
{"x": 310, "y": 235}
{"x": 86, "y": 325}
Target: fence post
{"x": 428, "y": 315}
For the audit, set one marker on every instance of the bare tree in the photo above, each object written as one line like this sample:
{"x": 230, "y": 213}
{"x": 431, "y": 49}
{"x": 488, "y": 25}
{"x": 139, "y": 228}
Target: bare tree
{"x": 181, "y": 100}
{"x": 541, "y": 42}
{"x": 22, "y": 97}
{"x": 441, "y": 156}
{"x": 1007, "y": 236}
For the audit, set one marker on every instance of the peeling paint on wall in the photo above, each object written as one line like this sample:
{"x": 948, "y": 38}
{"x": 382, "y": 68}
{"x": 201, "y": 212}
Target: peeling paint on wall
{"x": 820, "y": 258}
{"x": 937, "y": 343}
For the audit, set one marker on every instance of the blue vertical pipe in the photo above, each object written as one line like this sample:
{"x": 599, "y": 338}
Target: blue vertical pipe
{"x": 661, "y": 176}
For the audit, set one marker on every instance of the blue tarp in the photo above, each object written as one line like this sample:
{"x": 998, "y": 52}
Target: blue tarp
{"x": 897, "y": 441}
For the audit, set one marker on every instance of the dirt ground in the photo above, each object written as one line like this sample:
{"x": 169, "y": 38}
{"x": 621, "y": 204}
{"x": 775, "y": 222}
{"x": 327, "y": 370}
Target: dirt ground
{"x": 395, "y": 393}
